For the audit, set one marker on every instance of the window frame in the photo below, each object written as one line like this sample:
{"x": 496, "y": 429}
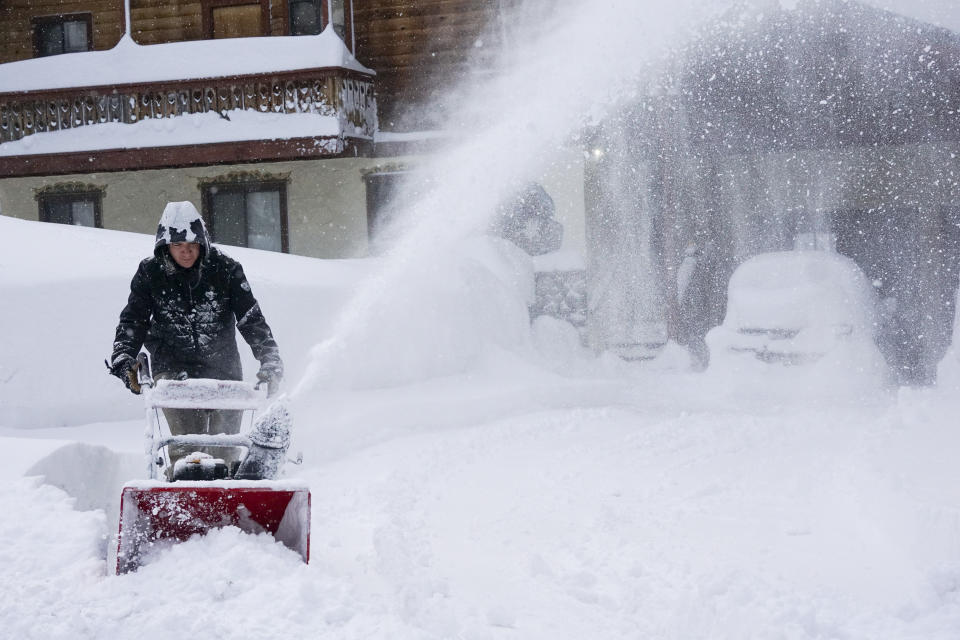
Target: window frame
{"x": 246, "y": 187}
{"x": 60, "y": 19}
{"x": 321, "y": 14}
{"x": 207, "y": 7}
{"x": 324, "y": 8}
{"x": 43, "y": 199}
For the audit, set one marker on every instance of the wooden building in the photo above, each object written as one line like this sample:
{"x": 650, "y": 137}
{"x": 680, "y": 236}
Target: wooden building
{"x": 68, "y": 66}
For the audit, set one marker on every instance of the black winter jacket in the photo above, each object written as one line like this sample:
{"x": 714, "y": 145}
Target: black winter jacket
{"x": 185, "y": 318}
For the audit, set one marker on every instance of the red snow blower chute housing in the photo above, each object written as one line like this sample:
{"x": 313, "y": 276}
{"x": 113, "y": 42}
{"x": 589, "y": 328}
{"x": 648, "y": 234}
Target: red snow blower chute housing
{"x": 200, "y": 493}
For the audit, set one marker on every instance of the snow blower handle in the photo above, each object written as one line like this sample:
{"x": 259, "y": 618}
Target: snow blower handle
{"x": 141, "y": 374}
{"x": 268, "y": 376}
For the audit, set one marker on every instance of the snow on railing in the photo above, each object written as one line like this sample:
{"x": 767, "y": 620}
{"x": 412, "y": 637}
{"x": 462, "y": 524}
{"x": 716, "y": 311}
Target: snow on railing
{"x": 201, "y": 393}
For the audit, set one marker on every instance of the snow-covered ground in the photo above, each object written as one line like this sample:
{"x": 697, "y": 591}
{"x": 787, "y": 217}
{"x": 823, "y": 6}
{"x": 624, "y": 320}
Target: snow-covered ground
{"x": 473, "y": 477}
{"x": 520, "y": 489}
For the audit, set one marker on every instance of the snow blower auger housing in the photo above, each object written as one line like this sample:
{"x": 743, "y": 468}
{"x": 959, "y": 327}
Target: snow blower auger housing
{"x": 203, "y": 494}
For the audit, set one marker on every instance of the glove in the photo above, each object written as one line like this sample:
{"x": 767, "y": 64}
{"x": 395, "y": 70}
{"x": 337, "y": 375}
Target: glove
{"x": 270, "y": 373}
{"x": 125, "y": 368}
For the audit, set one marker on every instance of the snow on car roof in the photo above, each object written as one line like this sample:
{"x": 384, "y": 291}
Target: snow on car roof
{"x": 797, "y": 289}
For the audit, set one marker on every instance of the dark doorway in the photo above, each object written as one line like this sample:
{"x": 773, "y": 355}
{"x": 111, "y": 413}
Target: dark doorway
{"x": 888, "y": 245}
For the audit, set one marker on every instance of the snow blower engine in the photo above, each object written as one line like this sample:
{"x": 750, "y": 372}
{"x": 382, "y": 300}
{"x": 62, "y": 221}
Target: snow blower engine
{"x": 200, "y": 492}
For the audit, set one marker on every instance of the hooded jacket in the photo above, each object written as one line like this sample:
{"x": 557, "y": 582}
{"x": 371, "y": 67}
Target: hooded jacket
{"x": 186, "y": 318}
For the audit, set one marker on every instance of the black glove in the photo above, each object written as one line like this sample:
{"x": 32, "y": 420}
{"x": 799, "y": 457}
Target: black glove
{"x": 125, "y": 368}
{"x": 271, "y": 373}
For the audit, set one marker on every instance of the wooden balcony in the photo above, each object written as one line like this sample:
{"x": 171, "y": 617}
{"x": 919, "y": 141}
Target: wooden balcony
{"x": 344, "y": 94}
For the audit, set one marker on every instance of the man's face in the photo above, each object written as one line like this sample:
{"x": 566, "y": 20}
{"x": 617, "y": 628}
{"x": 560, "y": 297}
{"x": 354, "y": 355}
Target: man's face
{"x": 185, "y": 254}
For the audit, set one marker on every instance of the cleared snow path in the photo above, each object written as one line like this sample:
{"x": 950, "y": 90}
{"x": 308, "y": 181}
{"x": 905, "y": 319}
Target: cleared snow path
{"x": 607, "y": 522}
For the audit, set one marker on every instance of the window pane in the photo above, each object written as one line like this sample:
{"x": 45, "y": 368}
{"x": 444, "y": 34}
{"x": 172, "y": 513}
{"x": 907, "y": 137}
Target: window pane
{"x": 84, "y": 214}
{"x": 57, "y": 210}
{"x": 304, "y": 18}
{"x": 336, "y": 8}
{"x": 263, "y": 220}
{"x": 75, "y": 36}
{"x": 229, "y": 218}
{"x": 50, "y": 39}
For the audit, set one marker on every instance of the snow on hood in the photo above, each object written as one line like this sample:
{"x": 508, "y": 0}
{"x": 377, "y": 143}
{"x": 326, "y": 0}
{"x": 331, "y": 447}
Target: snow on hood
{"x": 129, "y": 62}
{"x": 181, "y": 222}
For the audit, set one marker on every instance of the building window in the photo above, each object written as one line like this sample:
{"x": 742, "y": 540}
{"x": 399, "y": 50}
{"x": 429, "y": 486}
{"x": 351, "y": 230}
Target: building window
{"x": 53, "y": 35}
{"x": 339, "y": 18}
{"x": 305, "y": 17}
{"x": 81, "y": 208}
{"x": 382, "y": 190}
{"x": 247, "y": 214}
{"x": 236, "y": 18}
{"x": 309, "y": 17}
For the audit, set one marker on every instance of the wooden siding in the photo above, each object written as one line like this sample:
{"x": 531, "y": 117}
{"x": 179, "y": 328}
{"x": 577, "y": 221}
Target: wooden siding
{"x": 419, "y": 48}
{"x": 16, "y": 23}
{"x": 159, "y": 21}
{"x": 154, "y": 21}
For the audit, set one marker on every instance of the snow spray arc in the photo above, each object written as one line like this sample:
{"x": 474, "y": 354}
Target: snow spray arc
{"x": 555, "y": 75}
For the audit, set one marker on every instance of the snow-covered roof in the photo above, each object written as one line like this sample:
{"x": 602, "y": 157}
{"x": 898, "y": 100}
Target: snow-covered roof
{"x": 130, "y": 63}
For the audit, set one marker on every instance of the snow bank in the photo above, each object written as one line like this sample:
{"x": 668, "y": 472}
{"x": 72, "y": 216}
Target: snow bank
{"x": 66, "y": 286}
{"x": 63, "y": 288}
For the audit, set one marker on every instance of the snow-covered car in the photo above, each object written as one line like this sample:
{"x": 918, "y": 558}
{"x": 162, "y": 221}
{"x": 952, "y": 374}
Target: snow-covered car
{"x": 795, "y": 307}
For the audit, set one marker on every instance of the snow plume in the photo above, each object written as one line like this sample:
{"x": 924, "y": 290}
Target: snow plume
{"x": 557, "y": 72}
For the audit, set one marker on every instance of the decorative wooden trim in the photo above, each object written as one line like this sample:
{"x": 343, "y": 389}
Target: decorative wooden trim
{"x": 60, "y": 18}
{"x": 174, "y": 85}
{"x": 69, "y": 188}
{"x": 389, "y": 167}
{"x": 246, "y": 152}
{"x": 330, "y": 91}
{"x": 244, "y": 176}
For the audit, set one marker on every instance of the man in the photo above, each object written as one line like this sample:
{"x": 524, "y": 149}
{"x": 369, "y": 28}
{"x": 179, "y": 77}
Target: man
{"x": 184, "y": 304}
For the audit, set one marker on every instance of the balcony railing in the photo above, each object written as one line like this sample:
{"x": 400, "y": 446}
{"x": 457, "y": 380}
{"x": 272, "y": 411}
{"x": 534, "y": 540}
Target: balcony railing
{"x": 338, "y": 92}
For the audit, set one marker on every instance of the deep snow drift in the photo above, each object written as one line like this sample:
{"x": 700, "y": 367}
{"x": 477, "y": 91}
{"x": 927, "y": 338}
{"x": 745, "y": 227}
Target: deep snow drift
{"x": 538, "y": 493}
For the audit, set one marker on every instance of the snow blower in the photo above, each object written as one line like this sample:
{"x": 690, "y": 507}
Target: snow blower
{"x": 200, "y": 492}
